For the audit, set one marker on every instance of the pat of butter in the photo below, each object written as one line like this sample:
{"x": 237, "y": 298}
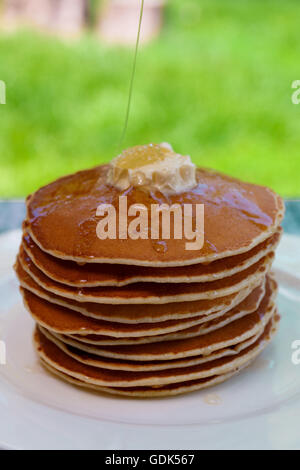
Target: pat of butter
{"x": 153, "y": 167}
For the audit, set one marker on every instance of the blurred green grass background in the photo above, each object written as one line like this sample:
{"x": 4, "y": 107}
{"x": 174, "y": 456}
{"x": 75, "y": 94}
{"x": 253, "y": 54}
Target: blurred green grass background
{"x": 216, "y": 84}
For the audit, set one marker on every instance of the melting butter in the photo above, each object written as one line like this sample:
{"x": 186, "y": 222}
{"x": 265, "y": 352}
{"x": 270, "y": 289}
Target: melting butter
{"x": 153, "y": 167}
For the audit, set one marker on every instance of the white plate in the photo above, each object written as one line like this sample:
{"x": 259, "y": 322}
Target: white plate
{"x": 260, "y": 408}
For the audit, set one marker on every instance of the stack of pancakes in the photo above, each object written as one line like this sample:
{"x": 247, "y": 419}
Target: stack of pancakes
{"x": 147, "y": 317}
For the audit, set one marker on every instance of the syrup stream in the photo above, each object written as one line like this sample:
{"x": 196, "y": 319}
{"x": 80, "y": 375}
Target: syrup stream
{"x": 132, "y": 77}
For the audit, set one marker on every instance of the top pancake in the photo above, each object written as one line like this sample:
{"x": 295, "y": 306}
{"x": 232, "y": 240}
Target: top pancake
{"x": 61, "y": 219}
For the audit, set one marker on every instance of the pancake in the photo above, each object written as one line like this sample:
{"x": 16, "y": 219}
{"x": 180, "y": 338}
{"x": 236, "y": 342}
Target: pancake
{"x": 56, "y": 358}
{"x": 151, "y": 293}
{"x": 230, "y": 335}
{"x": 249, "y": 305}
{"x": 190, "y": 332}
{"x": 133, "y": 314}
{"x": 62, "y": 221}
{"x": 65, "y": 321}
{"x": 91, "y": 274}
{"x": 148, "y": 392}
{"x": 164, "y": 390}
{"x": 119, "y": 364}
{"x": 169, "y": 350}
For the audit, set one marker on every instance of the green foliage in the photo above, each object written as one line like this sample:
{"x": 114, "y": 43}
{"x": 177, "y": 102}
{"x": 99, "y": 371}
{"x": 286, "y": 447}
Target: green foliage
{"x": 216, "y": 84}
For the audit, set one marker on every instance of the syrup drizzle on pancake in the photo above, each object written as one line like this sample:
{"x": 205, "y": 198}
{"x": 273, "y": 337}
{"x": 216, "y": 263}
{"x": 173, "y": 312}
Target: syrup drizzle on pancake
{"x": 61, "y": 219}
